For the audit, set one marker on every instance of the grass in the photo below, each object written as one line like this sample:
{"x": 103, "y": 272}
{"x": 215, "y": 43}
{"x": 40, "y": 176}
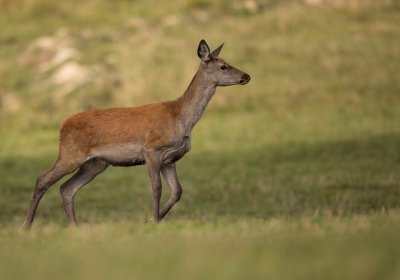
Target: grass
{"x": 302, "y": 248}
{"x": 294, "y": 176}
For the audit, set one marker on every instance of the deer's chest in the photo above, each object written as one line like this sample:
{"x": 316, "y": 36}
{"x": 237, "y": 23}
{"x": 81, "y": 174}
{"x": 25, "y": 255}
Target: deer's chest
{"x": 176, "y": 151}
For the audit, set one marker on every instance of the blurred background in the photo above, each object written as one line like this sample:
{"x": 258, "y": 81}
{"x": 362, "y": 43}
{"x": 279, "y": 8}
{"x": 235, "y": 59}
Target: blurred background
{"x": 310, "y": 147}
{"x": 306, "y": 57}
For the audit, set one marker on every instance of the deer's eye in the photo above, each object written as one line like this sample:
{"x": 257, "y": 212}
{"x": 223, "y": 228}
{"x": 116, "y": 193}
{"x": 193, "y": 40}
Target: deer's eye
{"x": 224, "y": 67}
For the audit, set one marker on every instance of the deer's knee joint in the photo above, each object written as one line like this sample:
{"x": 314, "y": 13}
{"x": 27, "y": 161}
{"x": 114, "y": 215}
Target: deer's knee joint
{"x": 41, "y": 179}
{"x": 176, "y": 196}
{"x": 41, "y": 184}
{"x": 66, "y": 194}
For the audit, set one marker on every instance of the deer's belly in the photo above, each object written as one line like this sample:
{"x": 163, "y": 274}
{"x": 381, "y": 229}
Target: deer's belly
{"x": 121, "y": 154}
{"x": 129, "y": 154}
{"x": 176, "y": 152}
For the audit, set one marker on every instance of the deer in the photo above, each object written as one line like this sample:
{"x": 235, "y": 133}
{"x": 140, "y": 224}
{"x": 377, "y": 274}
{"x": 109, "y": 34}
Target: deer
{"x": 157, "y": 135}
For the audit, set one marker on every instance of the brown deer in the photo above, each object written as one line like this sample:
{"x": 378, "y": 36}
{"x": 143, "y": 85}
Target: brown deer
{"x": 156, "y": 134}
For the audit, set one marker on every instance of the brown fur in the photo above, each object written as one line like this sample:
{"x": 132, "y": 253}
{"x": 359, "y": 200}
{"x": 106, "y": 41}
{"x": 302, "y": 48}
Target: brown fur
{"x": 156, "y": 134}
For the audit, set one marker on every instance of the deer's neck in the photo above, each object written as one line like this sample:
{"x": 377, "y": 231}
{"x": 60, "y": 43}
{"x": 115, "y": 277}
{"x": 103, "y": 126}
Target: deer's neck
{"x": 195, "y": 99}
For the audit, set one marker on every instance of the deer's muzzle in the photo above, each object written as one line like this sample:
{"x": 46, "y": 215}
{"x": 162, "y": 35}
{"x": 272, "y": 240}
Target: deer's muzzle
{"x": 245, "y": 79}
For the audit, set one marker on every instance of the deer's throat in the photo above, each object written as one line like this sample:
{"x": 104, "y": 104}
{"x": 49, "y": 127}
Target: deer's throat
{"x": 196, "y": 99}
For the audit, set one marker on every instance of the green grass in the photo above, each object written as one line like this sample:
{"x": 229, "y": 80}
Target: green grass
{"x": 293, "y": 176}
{"x": 334, "y": 248}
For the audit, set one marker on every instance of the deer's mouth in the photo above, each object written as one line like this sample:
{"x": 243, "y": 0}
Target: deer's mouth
{"x": 245, "y": 79}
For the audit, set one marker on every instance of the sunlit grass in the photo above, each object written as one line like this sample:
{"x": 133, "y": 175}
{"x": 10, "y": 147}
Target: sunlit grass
{"x": 279, "y": 248}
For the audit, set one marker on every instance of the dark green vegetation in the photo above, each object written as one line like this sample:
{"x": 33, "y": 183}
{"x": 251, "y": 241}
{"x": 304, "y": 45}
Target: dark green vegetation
{"x": 293, "y": 176}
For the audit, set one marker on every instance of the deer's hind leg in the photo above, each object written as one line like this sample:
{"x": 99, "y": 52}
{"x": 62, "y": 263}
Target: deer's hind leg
{"x": 86, "y": 173}
{"x": 45, "y": 181}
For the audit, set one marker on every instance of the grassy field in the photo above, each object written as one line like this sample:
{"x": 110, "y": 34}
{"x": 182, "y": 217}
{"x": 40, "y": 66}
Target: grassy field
{"x": 293, "y": 176}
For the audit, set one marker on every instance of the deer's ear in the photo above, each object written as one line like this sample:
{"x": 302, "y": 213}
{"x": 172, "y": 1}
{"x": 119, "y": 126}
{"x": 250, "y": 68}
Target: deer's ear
{"x": 215, "y": 53}
{"x": 203, "y": 51}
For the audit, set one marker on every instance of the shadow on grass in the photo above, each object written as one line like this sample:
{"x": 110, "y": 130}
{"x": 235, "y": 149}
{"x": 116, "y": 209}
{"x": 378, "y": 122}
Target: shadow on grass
{"x": 287, "y": 180}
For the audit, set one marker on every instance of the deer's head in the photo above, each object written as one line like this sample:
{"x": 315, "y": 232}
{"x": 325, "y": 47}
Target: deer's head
{"x": 221, "y": 73}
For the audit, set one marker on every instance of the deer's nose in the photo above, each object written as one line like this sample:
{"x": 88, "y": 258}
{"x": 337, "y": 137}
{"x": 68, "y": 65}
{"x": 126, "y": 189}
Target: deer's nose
{"x": 245, "y": 79}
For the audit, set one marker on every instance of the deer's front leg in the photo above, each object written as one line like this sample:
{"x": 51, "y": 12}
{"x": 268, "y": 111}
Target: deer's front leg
{"x": 169, "y": 173}
{"x": 154, "y": 167}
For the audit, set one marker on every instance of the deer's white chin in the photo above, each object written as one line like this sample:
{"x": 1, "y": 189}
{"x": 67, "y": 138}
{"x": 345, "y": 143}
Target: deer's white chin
{"x": 229, "y": 84}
